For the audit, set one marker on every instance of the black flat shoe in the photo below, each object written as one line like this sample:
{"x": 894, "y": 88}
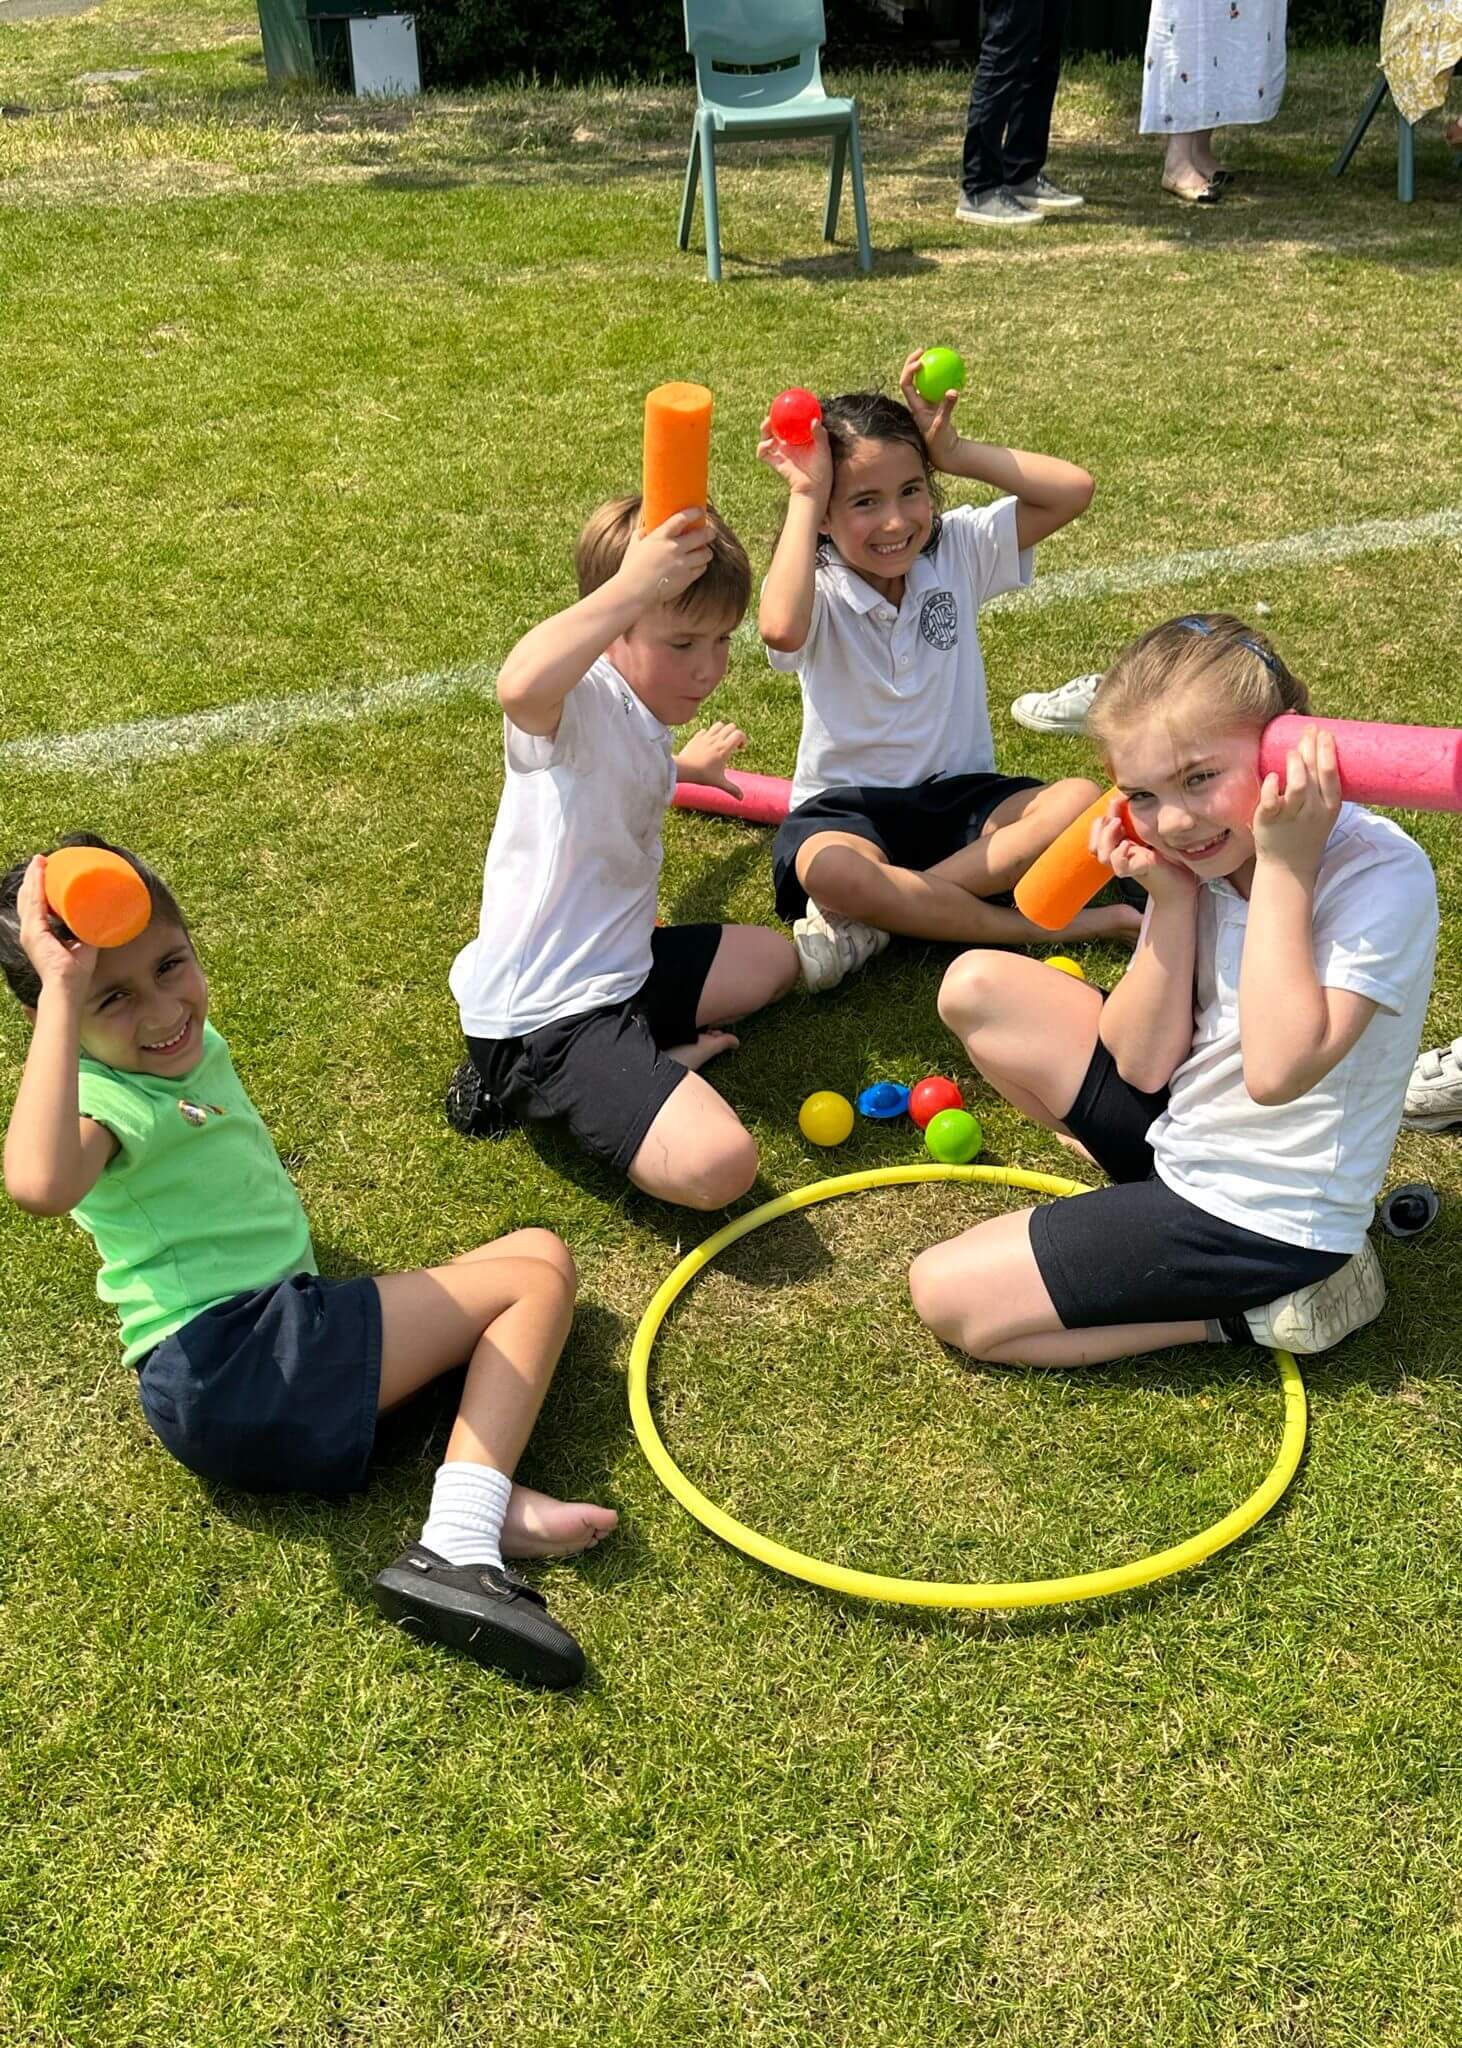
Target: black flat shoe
{"x": 471, "y": 1110}
{"x": 482, "y": 1611}
{"x": 1222, "y": 176}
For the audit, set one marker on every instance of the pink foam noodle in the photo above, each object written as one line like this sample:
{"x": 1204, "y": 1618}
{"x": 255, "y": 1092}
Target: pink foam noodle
{"x": 1413, "y": 767}
{"x": 764, "y": 799}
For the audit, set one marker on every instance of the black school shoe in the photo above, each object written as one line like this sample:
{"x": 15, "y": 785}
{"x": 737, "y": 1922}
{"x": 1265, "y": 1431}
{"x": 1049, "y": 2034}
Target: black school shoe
{"x": 482, "y": 1611}
{"x": 470, "y": 1108}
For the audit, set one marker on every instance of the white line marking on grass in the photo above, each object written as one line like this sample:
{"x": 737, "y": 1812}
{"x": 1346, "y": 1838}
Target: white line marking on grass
{"x": 1324, "y": 544}
{"x": 258, "y": 719}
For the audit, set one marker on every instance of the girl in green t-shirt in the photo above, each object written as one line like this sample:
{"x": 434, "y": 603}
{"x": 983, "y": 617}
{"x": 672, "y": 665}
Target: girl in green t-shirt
{"x": 253, "y": 1370}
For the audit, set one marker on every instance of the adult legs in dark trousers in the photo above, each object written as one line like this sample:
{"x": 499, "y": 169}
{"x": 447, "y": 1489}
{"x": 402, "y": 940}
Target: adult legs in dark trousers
{"x": 1008, "y": 130}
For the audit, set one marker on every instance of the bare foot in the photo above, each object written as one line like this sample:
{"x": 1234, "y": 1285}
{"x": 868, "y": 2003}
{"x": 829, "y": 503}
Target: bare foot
{"x": 705, "y": 1049}
{"x": 1073, "y": 1145}
{"x": 1107, "y": 921}
{"x": 537, "y": 1525}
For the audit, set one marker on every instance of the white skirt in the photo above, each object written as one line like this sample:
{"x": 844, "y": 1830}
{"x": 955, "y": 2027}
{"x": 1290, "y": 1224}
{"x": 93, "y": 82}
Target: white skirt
{"x": 1212, "y": 64}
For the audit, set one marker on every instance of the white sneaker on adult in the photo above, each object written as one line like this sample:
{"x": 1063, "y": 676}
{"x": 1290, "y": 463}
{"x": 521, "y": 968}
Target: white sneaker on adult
{"x": 1316, "y": 1317}
{"x": 1040, "y": 192}
{"x": 1434, "y": 1092}
{"x": 831, "y": 947}
{"x": 998, "y": 208}
{"x": 1062, "y": 710}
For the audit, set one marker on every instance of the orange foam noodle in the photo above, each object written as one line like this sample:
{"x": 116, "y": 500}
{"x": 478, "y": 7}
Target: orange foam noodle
{"x": 97, "y": 895}
{"x": 677, "y": 451}
{"x": 1067, "y": 875}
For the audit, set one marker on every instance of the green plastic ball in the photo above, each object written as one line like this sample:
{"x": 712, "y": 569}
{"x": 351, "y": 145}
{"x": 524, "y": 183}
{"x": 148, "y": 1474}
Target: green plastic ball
{"x": 940, "y": 370}
{"x": 954, "y": 1137}
{"x": 826, "y": 1118}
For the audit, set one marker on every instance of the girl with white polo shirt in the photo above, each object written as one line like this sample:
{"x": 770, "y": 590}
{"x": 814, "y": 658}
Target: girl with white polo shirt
{"x": 1243, "y": 1084}
{"x": 899, "y": 821}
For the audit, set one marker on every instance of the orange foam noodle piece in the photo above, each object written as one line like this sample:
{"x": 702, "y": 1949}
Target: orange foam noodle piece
{"x": 677, "y": 451}
{"x": 1067, "y": 875}
{"x": 97, "y": 895}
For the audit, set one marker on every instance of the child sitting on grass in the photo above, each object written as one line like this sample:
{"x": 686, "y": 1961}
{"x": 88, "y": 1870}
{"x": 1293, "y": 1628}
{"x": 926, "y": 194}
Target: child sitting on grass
{"x": 899, "y": 820}
{"x": 252, "y": 1370}
{"x": 573, "y": 1004}
{"x": 1243, "y": 1085}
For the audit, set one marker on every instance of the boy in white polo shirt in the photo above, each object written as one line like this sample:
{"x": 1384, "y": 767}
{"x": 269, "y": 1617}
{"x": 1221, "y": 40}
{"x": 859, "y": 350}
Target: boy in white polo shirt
{"x": 573, "y": 1004}
{"x": 899, "y": 821}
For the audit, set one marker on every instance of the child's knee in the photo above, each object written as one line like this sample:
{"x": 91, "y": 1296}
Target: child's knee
{"x": 721, "y": 1173}
{"x": 938, "y": 1291}
{"x": 549, "y": 1249}
{"x": 1073, "y": 795}
{"x": 843, "y": 881}
{"x": 771, "y": 964}
{"x": 971, "y": 989}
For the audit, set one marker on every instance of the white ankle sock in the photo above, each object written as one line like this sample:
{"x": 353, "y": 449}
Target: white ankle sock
{"x": 465, "y": 1523}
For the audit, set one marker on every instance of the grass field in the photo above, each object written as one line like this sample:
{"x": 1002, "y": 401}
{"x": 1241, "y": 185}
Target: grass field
{"x": 305, "y": 397}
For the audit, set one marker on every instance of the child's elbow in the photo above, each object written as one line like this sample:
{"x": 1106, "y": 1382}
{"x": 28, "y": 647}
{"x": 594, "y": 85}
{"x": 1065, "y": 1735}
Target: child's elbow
{"x": 37, "y": 1197}
{"x": 1273, "y": 1089}
{"x": 782, "y": 637}
{"x": 1083, "y": 490}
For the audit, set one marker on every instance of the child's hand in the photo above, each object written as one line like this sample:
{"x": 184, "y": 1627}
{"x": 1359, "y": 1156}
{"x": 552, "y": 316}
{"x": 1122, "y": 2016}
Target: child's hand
{"x": 807, "y": 471}
{"x": 704, "y": 756}
{"x": 1292, "y": 825}
{"x": 659, "y": 566}
{"x": 936, "y": 422}
{"x": 61, "y": 967}
{"x": 1164, "y": 880}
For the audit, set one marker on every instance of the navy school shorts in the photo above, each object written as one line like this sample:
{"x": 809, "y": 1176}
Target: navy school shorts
{"x": 1136, "y": 1252}
{"x": 913, "y": 828}
{"x": 607, "y": 1072}
{"x": 274, "y": 1391}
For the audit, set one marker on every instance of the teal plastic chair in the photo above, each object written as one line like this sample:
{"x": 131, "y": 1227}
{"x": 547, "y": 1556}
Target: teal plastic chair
{"x": 758, "y": 76}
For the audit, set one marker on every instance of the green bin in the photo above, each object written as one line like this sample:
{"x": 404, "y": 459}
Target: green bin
{"x": 289, "y": 46}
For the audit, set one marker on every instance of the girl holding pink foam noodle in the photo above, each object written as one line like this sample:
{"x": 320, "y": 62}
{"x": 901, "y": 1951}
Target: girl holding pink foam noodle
{"x": 1243, "y": 1085}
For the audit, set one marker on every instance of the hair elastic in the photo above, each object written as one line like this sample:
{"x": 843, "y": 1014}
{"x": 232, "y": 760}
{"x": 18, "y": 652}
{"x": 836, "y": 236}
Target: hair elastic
{"x": 1193, "y": 623}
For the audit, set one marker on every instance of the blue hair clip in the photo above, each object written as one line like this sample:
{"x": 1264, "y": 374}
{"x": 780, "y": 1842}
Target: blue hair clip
{"x": 1194, "y": 624}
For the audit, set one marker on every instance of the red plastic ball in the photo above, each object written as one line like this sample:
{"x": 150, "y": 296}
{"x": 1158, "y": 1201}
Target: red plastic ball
{"x": 794, "y": 414}
{"x": 930, "y": 1096}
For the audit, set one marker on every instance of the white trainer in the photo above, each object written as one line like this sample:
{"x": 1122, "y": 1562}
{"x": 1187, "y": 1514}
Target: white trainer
{"x": 1050, "y": 198}
{"x": 998, "y": 208}
{"x": 831, "y": 947}
{"x": 1434, "y": 1092}
{"x": 1316, "y": 1317}
{"x": 1062, "y": 710}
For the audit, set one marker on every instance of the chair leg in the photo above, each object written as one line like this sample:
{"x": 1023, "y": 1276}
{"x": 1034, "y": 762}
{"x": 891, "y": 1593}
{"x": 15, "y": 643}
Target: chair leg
{"x": 835, "y": 186}
{"x": 692, "y": 174}
{"x": 707, "y": 132}
{"x": 1405, "y": 160}
{"x": 1367, "y": 115}
{"x": 860, "y": 200}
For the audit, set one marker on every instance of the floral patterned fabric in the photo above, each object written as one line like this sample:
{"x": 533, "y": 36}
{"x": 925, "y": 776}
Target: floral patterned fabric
{"x": 1421, "y": 40}
{"x": 1212, "y": 64}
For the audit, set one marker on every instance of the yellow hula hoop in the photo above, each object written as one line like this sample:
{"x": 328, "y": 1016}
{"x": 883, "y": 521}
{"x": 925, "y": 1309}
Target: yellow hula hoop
{"x": 838, "y": 1578}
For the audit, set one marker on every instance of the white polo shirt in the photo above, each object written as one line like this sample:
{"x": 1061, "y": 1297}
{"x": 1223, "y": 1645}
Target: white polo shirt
{"x": 573, "y": 866}
{"x": 892, "y": 694}
{"x": 1308, "y": 1172}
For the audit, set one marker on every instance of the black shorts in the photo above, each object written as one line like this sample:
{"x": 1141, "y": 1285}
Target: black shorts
{"x": 913, "y": 828}
{"x": 1138, "y": 1253}
{"x": 276, "y": 1390}
{"x": 606, "y": 1072}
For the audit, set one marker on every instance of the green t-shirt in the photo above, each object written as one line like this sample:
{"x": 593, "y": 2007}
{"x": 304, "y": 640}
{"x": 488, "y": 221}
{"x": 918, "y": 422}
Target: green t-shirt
{"x": 194, "y": 1206}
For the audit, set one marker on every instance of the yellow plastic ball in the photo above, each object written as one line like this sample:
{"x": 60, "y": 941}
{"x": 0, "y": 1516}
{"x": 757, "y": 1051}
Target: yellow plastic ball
{"x": 1063, "y": 964}
{"x": 825, "y": 1118}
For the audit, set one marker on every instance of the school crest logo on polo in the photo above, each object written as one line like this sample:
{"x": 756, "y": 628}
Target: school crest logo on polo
{"x": 939, "y": 619}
